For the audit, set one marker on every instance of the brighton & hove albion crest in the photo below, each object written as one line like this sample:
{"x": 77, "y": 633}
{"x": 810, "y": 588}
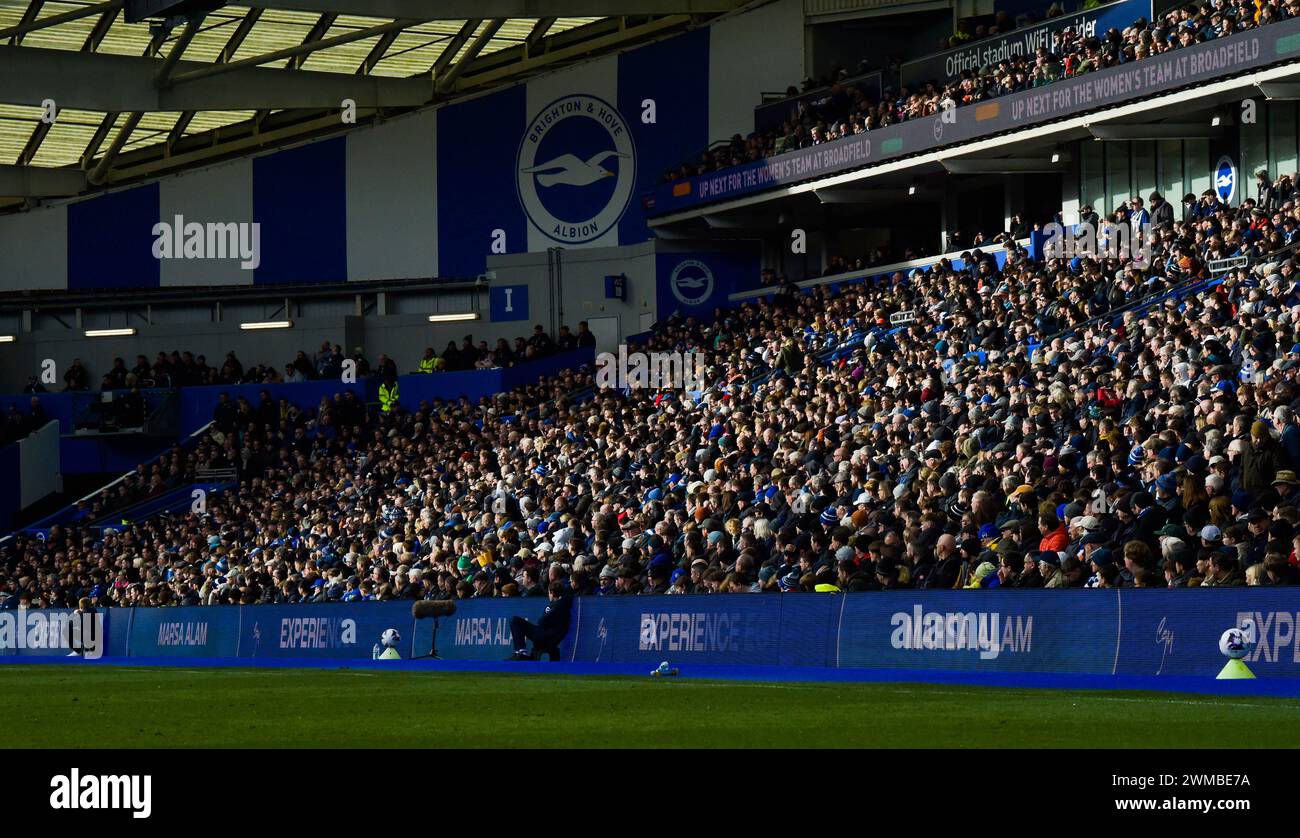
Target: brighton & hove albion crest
{"x": 691, "y": 282}
{"x": 1225, "y": 179}
{"x": 576, "y": 169}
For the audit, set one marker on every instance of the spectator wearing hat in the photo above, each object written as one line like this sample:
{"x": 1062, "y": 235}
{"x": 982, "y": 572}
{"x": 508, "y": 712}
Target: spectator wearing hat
{"x": 1098, "y": 560}
{"x": 1285, "y": 486}
{"x": 1180, "y": 570}
{"x": 1255, "y": 544}
{"x": 607, "y": 583}
{"x": 629, "y": 580}
{"x": 1259, "y": 460}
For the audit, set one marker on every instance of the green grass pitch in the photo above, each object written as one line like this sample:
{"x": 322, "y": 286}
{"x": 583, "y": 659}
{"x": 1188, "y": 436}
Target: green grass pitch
{"x": 161, "y": 707}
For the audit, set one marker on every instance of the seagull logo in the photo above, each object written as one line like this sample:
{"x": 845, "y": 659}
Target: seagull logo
{"x": 691, "y": 282}
{"x": 572, "y": 185}
{"x": 569, "y": 170}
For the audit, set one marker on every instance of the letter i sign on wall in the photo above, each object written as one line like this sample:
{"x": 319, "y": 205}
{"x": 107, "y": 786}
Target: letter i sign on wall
{"x": 508, "y": 302}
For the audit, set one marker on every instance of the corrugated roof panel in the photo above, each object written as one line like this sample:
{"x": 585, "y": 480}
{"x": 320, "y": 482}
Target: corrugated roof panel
{"x": 412, "y": 53}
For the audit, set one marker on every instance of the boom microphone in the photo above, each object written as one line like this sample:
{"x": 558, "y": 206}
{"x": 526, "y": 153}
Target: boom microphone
{"x": 425, "y": 608}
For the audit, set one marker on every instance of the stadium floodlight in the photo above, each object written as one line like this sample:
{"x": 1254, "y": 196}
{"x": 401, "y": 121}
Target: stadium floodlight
{"x": 255, "y": 325}
{"x": 911, "y": 190}
{"x": 1216, "y": 120}
{"x": 1056, "y": 154}
{"x": 451, "y": 318}
{"x": 7, "y": 338}
{"x": 110, "y": 333}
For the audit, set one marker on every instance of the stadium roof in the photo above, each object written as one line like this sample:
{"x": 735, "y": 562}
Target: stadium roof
{"x": 134, "y": 100}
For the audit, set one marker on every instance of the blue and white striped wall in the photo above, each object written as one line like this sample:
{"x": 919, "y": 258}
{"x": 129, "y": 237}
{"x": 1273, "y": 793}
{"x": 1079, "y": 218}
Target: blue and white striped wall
{"x": 431, "y": 193}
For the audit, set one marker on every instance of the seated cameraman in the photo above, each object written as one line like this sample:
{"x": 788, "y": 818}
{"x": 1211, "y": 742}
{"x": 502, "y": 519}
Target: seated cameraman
{"x": 548, "y": 632}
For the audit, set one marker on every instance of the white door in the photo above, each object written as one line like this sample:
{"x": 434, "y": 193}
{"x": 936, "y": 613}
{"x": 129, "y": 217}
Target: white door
{"x": 607, "y": 332}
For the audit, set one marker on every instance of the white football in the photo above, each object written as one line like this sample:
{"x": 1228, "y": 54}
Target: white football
{"x": 390, "y": 638}
{"x": 1233, "y": 644}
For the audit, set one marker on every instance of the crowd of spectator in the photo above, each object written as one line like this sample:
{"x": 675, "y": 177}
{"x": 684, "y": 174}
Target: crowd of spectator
{"x": 1029, "y": 428}
{"x": 849, "y": 110}
{"x": 469, "y": 355}
{"x": 841, "y": 263}
{"x": 186, "y": 369}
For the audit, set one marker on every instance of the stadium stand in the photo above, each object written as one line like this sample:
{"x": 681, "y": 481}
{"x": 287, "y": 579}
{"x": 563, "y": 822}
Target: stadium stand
{"x": 186, "y": 369}
{"x": 848, "y": 111}
{"x": 1043, "y": 423}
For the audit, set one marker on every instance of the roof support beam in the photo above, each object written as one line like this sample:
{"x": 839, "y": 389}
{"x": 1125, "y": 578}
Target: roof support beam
{"x": 443, "y": 83}
{"x": 161, "y": 78}
{"x": 100, "y": 172}
{"x": 376, "y": 53}
{"x": 233, "y": 43}
{"x": 454, "y": 46}
{"x": 540, "y": 28}
{"x": 30, "y": 14}
{"x": 36, "y": 182}
{"x": 463, "y": 9}
{"x": 314, "y": 36}
{"x": 511, "y": 62}
{"x": 103, "y": 82}
{"x": 110, "y": 119}
{"x": 96, "y": 36}
{"x": 92, "y": 42}
{"x": 54, "y": 20}
{"x": 209, "y": 70}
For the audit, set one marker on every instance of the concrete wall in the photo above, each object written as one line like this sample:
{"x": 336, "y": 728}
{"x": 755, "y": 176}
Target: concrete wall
{"x": 740, "y": 70}
{"x": 582, "y": 286}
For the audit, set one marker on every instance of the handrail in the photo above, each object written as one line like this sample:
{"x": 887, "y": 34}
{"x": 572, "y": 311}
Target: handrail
{"x": 878, "y": 270}
{"x": 52, "y": 519}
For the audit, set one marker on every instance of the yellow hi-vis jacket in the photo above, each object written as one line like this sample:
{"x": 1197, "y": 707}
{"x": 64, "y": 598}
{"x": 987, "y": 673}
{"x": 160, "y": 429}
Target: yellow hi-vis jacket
{"x": 427, "y": 364}
{"x": 387, "y": 396}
